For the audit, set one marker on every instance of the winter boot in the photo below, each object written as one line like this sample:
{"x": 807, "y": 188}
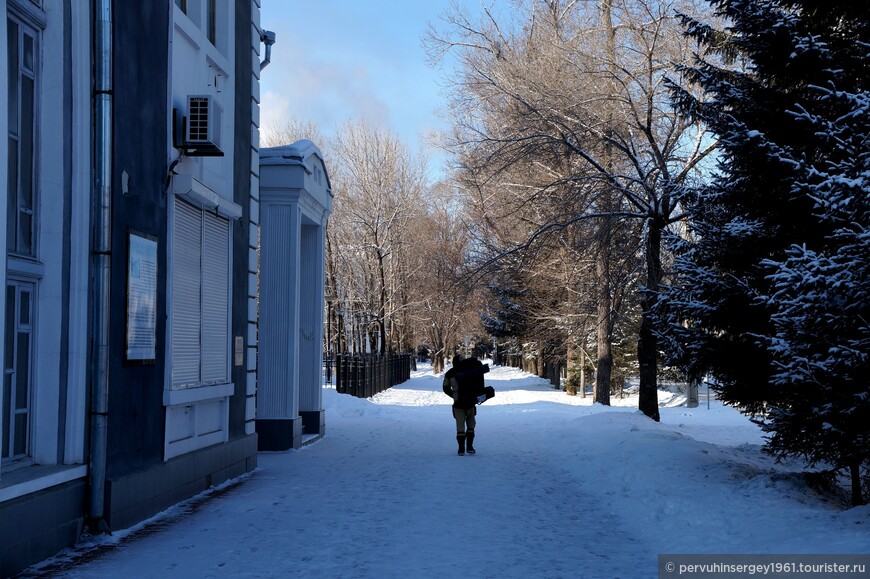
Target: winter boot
{"x": 460, "y": 438}
{"x": 469, "y": 441}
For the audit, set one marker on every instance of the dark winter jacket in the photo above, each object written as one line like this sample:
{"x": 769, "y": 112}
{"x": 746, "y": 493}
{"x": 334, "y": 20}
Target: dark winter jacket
{"x": 464, "y": 382}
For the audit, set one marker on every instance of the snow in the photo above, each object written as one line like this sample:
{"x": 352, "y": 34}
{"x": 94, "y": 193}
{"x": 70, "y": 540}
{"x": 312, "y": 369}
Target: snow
{"x": 560, "y": 487}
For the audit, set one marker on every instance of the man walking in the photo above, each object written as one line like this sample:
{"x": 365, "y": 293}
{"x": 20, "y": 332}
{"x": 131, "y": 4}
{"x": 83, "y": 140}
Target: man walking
{"x": 464, "y": 383}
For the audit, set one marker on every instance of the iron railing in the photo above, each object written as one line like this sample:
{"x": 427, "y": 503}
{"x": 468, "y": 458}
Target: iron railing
{"x": 364, "y": 376}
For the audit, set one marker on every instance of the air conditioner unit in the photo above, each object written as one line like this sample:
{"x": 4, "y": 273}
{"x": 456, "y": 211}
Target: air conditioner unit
{"x": 202, "y": 131}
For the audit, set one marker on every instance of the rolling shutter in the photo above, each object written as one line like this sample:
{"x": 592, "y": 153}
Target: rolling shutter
{"x": 200, "y": 298}
{"x": 215, "y": 299}
{"x": 186, "y": 295}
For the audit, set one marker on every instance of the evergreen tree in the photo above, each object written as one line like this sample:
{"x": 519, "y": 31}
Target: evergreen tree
{"x": 771, "y": 296}
{"x": 821, "y": 299}
{"x": 506, "y": 316}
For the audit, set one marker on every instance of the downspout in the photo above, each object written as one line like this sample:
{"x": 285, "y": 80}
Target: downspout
{"x": 268, "y": 39}
{"x": 101, "y": 255}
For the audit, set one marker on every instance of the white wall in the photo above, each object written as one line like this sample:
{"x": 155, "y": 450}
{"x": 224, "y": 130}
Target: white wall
{"x": 251, "y": 338}
{"x": 56, "y": 123}
{"x": 200, "y": 416}
{"x": 199, "y": 68}
{"x": 82, "y": 123}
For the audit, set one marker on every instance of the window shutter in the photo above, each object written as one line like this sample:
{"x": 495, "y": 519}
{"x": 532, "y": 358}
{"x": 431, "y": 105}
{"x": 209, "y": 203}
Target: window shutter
{"x": 186, "y": 295}
{"x": 215, "y": 298}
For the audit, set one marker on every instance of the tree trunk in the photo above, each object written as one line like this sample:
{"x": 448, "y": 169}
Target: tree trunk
{"x": 605, "y": 356}
{"x": 602, "y": 265}
{"x": 572, "y": 366}
{"x": 354, "y": 333}
{"x": 372, "y": 347}
{"x": 605, "y": 324}
{"x": 647, "y": 344}
{"x": 382, "y": 304}
{"x": 438, "y": 362}
{"x": 692, "y": 396}
{"x": 384, "y": 347}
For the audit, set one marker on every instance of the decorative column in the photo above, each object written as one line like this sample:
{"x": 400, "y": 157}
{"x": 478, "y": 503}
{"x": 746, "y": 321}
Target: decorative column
{"x": 295, "y": 201}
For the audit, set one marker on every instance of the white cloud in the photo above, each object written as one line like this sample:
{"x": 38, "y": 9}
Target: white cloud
{"x": 327, "y": 93}
{"x": 275, "y": 110}
{"x": 347, "y": 60}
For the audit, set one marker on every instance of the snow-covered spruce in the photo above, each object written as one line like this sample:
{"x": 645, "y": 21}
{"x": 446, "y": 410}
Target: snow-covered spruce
{"x": 772, "y": 295}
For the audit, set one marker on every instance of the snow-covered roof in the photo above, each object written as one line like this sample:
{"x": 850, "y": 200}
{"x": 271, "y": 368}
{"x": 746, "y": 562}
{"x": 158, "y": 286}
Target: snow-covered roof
{"x": 303, "y": 152}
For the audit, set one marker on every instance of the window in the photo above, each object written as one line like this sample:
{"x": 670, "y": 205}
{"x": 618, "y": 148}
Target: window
{"x": 17, "y": 396}
{"x": 200, "y": 298}
{"x": 211, "y": 21}
{"x": 182, "y": 4}
{"x": 17, "y": 391}
{"x": 21, "y": 203}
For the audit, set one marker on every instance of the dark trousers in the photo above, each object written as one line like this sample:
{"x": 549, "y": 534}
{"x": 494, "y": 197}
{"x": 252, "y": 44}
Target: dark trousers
{"x": 464, "y": 419}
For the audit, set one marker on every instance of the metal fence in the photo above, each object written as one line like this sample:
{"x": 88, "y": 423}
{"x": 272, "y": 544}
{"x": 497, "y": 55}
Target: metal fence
{"x": 555, "y": 372}
{"x": 365, "y": 376}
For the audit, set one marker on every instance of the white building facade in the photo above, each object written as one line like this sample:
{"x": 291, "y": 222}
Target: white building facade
{"x": 108, "y": 435}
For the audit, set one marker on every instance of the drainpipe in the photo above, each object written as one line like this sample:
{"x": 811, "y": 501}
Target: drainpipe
{"x": 267, "y": 38}
{"x": 101, "y": 255}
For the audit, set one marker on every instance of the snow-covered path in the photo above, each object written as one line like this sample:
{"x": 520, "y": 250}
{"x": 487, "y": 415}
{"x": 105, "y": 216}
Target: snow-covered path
{"x": 559, "y": 488}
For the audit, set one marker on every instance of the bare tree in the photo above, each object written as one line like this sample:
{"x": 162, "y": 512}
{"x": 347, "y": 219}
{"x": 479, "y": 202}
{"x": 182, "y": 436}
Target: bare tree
{"x": 382, "y": 187}
{"x": 585, "y": 83}
{"x": 292, "y": 130}
{"x": 441, "y": 298}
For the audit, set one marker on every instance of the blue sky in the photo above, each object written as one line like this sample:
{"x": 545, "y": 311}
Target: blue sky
{"x": 336, "y": 60}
